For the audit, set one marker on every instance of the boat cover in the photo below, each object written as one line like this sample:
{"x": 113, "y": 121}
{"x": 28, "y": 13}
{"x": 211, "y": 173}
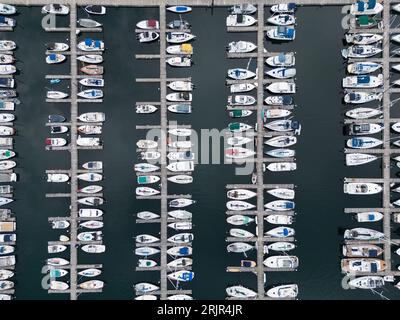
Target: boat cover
{"x": 364, "y": 20}
{"x": 374, "y": 267}
{"x": 152, "y": 23}
{"x": 286, "y": 100}
{"x": 371, "y": 4}
{"x": 360, "y": 6}
{"x": 53, "y": 57}
{"x": 237, "y": 113}
{"x": 373, "y": 253}
{"x": 291, "y": 6}
{"x": 239, "y": 18}
{"x": 88, "y": 41}
{"x": 363, "y": 79}
{"x": 2, "y": 19}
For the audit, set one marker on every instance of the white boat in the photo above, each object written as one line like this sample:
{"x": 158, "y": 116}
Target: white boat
{"x": 361, "y": 250}
{"x": 284, "y": 7}
{"x": 96, "y": 9}
{"x": 243, "y": 8}
{"x": 182, "y": 225}
{"x": 91, "y": 189}
{"x": 146, "y": 251}
{"x": 92, "y": 224}
{"x": 58, "y": 129}
{"x": 6, "y": 274}
{"x": 363, "y": 113}
{"x": 88, "y": 141}
{"x": 56, "y": 95}
{"x": 363, "y": 234}
{"x": 180, "y": 85}
{"x": 240, "y": 74}
{"x": 90, "y": 129}
{"x": 179, "y": 9}
{"x": 90, "y": 236}
{"x": 147, "y": 36}
{"x": 180, "y": 132}
{"x": 282, "y": 166}
{"x": 54, "y": 58}
{"x": 58, "y": 285}
{"x": 241, "y": 47}
{"x": 6, "y": 69}
{"x": 280, "y": 205}
{"x": 147, "y": 179}
{"x": 181, "y": 238}
{"x": 181, "y": 203}
{"x": 6, "y": 249}
{"x": 238, "y": 153}
{"x": 181, "y": 275}
{"x": 91, "y": 272}
{"x": 363, "y": 143}
{"x": 7, "y": 45}
{"x": 147, "y": 144}
{"x": 179, "y": 37}
{"x": 280, "y": 153}
{"x": 60, "y": 224}
{"x": 356, "y": 159}
{"x": 146, "y": 167}
{"x": 149, "y": 24}
{"x": 238, "y": 127}
{"x": 241, "y": 100}
{"x": 367, "y": 282}
{"x": 238, "y": 205}
{"x": 280, "y": 219}
{"x": 179, "y": 97}
{"x": 91, "y": 45}
{"x": 180, "y": 155}
{"x": 362, "y": 265}
{"x": 57, "y": 262}
{"x": 180, "y": 262}
{"x": 146, "y": 263}
{"x": 91, "y": 285}
{"x": 363, "y": 67}
{"x": 360, "y": 51}
{"x": 180, "y": 214}
{"x": 281, "y": 246}
{"x": 57, "y": 46}
{"x": 55, "y": 142}
{"x": 57, "y": 177}
{"x": 282, "y": 33}
{"x": 93, "y": 165}
{"x": 92, "y": 82}
{"x": 238, "y": 141}
{"x": 89, "y": 23}
{"x": 179, "y": 251}
{"x": 240, "y": 292}
{"x": 90, "y": 176}
{"x": 281, "y": 262}
{"x": 7, "y": 105}
{"x": 281, "y": 232}
{"x": 283, "y": 19}
{"x": 146, "y": 108}
{"x": 7, "y": 164}
{"x": 282, "y": 193}
{"x": 92, "y": 117}
{"x": 240, "y": 194}
{"x": 363, "y": 38}
{"x": 7, "y": 59}
{"x": 283, "y": 291}
{"x": 181, "y": 166}
{"x": 239, "y": 247}
{"x": 281, "y": 141}
{"x": 94, "y": 248}
{"x": 281, "y": 60}
{"x": 181, "y": 179}
{"x": 240, "y": 20}
{"x": 179, "y": 61}
{"x": 369, "y": 216}
{"x": 90, "y": 213}
{"x": 362, "y": 97}
{"x": 58, "y": 9}
{"x": 363, "y": 128}
{"x": 396, "y": 126}
{"x": 276, "y": 113}
{"x": 363, "y": 81}
{"x": 240, "y": 233}
{"x": 91, "y": 58}
{"x": 282, "y": 87}
{"x": 146, "y": 191}
{"x": 181, "y": 144}
{"x": 144, "y": 287}
{"x": 146, "y": 297}
{"x": 242, "y": 87}
{"x": 180, "y": 49}
{"x": 239, "y": 220}
{"x": 357, "y": 188}
{"x": 7, "y": 9}
{"x": 91, "y": 94}
{"x": 370, "y": 7}
{"x": 91, "y": 201}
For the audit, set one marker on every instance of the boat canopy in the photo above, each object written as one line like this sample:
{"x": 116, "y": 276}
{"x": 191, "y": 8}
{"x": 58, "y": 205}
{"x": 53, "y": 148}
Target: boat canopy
{"x": 364, "y": 20}
{"x": 291, "y": 6}
{"x": 239, "y": 18}
{"x": 53, "y": 57}
{"x": 237, "y": 113}
{"x": 142, "y": 179}
{"x": 286, "y": 100}
{"x": 234, "y": 126}
{"x": 371, "y": 4}
{"x": 286, "y": 32}
{"x": 363, "y": 79}
{"x": 2, "y": 19}
{"x": 187, "y": 48}
{"x": 183, "y": 107}
{"x": 374, "y": 267}
{"x": 88, "y": 41}
{"x": 152, "y": 23}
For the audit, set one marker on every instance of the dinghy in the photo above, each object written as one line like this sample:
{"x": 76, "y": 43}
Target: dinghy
{"x": 147, "y": 36}
{"x": 363, "y": 113}
{"x": 283, "y": 19}
{"x": 357, "y": 188}
{"x": 96, "y": 9}
{"x": 240, "y": 292}
{"x": 363, "y": 234}
{"x": 240, "y": 20}
{"x": 282, "y": 33}
{"x": 239, "y": 220}
{"x": 241, "y": 47}
{"x": 177, "y": 37}
{"x": 240, "y": 194}
{"x": 363, "y": 143}
{"x": 58, "y": 9}
{"x": 283, "y": 291}
{"x": 356, "y": 159}
{"x": 240, "y": 74}
{"x": 237, "y": 205}
{"x": 362, "y": 250}
{"x": 282, "y": 193}
{"x": 363, "y": 38}
{"x": 363, "y": 67}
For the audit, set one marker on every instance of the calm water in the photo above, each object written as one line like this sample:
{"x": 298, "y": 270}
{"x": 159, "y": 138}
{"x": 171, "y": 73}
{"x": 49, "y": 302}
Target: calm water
{"x": 319, "y": 198}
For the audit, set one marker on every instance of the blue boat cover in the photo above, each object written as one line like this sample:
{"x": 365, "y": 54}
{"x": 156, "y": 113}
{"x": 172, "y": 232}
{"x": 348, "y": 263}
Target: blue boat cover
{"x": 371, "y": 4}
{"x": 289, "y": 205}
{"x": 371, "y": 217}
{"x": 287, "y": 100}
{"x": 3, "y": 81}
{"x": 2, "y": 19}
{"x": 373, "y": 253}
{"x": 184, "y": 250}
{"x": 181, "y": 8}
{"x": 291, "y": 6}
{"x": 356, "y": 142}
{"x": 53, "y": 56}
{"x": 290, "y": 33}
{"x": 285, "y": 232}
{"x": 97, "y": 43}
{"x": 363, "y": 79}
{"x": 88, "y": 41}
{"x": 360, "y": 6}
{"x": 374, "y": 268}
{"x": 281, "y": 57}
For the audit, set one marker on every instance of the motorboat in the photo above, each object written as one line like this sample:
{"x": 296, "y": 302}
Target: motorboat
{"x": 180, "y": 144}
{"x": 146, "y": 191}
{"x": 6, "y": 249}
{"x": 93, "y": 70}
{"x": 146, "y": 108}
{"x": 239, "y": 247}
{"x": 91, "y": 45}
{"x": 92, "y": 224}
{"x": 90, "y": 236}
{"x": 8, "y": 238}
{"x": 56, "y": 95}
{"x": 55, "y": 142}
{"x": 7, "y": 131}
{"x": 90, "y": 213}
{"x": 93, "y": 165}
{"x": 7, "y": 45}
{"x": 363, "y": 234}
{"x": 238, "y": 140}
{"x": 146, "y": 297}
{"x": 238, "y": 205}
{"x": 179, "y": 97}
{"x": 356, "y": 159}
{"x": 146, "y": 263}
{"x": 363, "y": 67}
{"x": 179, "y": 251}
{"x": 283, "y": 291}
{"x": 240, "y": 20}
{"x": 181, "y": 179}
{"x": 282, "y": 60}
{"x": 241, "y": 100}
{"x": 243, "y": 8}
{"x": 94, "y": 248}
{"x": 361, "y": 250}
{"x": 7, "y": 69}
{"x": 57, "y": 177}
{"x": 362, "y": 265}
{"x": 179, "y": 49}
{"x": 57, "y": 262}
{"x": 241, "y": 47}
{"x": 6, "y": 59}
{"x": 181, "y": 156}
{"x": 281, "y": 141}
{"x": 280, "y": 153}
{"x": 91, "y": 189}
{"x": 58, "y": 129}
{"x": 91, "y": 285}
{"x": 360, "y": 51}
{"x": 146, "y": 167}
{"x": 147, "y": 144}
{"x": 282, "y": 166}
{"x": 60, "y": 224}
{"x": 178, "y": 24}
{"x": 149, "y": 24}
{"x": 144, "y": 287}
{"x": 283, "y": 19}
{"x": 281, "y": 219}
{"x": 179, "y": 9}
{"x": 180, "y": 262}
{"x": 57, "y": 273}
{"x": 181, "y": 203}
{"x": 238, "y": 153}
{"x": 358, "y": 129}
{"x": 91, "y": 58}
{"x": 283, "y": 125}
{"x": 240, "y": 74}
{"x": 146, "y": 251}
{"x": 54, "y": 58}
{"x": 280, "y": 232}
{"x": 362, "y": 97}
{"x": 242, "y": 87}
{"x": 240, "y": 292}
{"x": 238, "y": 127}
{"x": 55, "y": 8}
{"x": 180, "y": 85}
{"x": 363, "y": 143}
{"x": 6, "y": 274}
{"x": 6, "y": 82}
{"x": 181, "y": 275}
{"x": 281, "y": 262}
{"x": 179, "y": 61}
{"x": 396, "y": 126}
{"x": 91, "y": 94}
{"x": 239, "y": 220}
{"x": 363, "y": 81}
{"x": 90, "y": 177}
{"x": 91, "y": 201}
{"x": 147, "y": 36}
{"x": 240, "y": 194}
{"x": 282, "y": 87}
{"x": 370, "y": 7}
{"x": 90, "y": 129}
{"x": 366, "y": 22}
{"x": 363, "y": 38}
{"x": 363, "y": 113}
{"x": 7, "y": 9}
{"x": 280, "y": 246}
{"x": 367, "y": 282}
{"x": 180, "y": 132}
{"x": 181, "y": 225}
{"x": 289, "y": 7}
{"x": 91, "y": 272}
{"x": 180, "y": 214}
{"x": 282, "y": 193}
{"x": 357, "y": 188}
{"x": 369, "y": 216}
{"x": 8, "y": 93}
{"x": 92, "y": 117}
{"x": 89, "y": 23}
{"x": 178, "y": 37}
{"x": 58, "y": 285}
{"x": 282, "y": 73}
{"x": 280, "y": 205}
{"x": 276, "y": 113}
{"x": 181, "y": 238}
{"x": 282, "y": 33}
{"x": 96, "y": 9}
{"x": 57, "y": 46}
{"x": 147, "y": 179}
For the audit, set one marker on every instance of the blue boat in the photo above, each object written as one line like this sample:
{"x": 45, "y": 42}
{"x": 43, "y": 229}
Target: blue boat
{"x": 55, "y": 81}
{"x": 282, "y": 33}
{"x": 179, "y": 9}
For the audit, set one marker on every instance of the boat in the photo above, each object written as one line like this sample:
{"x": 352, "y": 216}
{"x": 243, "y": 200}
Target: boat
{"x": 146, "y": 167}
{"x": 283, "y": 19}
{"x": 8, "y": 237}
{"x": 57, "y": 46}
{"x": 283, "y": 125}
{"x": 147, "y": 179}
{"x": 283, "y": 291}
{"x": 144, "y": 287}
{"x": 363, "y": 67}
{"x": 7, "y": 83}
{"x": 55, "y": 8}
{"x": 240, "y": 292}
{"x": 282, "y": 193}
{"x": 367, "y": 282}
{"x": 240, "y": 74}
{"x": 241, "y": 100}
{"x": 181, "y": 144}
{"x": 242, "y": 87}
{"x": 8, "y": 93}
{"x": 276, "y": 113}
{"x": 179, "y": 97}
{"x": 93, "y": 165}
{"x": 146, "y": 297}
{"x": 180, "y": 262}
{"x": 281, "y": 246}
{"x": 238, "y": 140}
{"x": 178, "y": 37}
{"x": 363, "y": 113}
{"x": 145, "y": 108}
{"x": 6, "y": 274}
{"x": 89, "y": 23}
{"x": 370, "y": 7}
{"x": 363, "y": 81}
{"x": 91, "y": 45}
{"x": 91, "y": 94}
{"x": 88, "y": 141}
{"x": 91, "y": 58}
{"x": 57, "y": 273}
{"x": 7, "y": 69}
{"x": 180, "y": 214}
{"x": 240, "y": 233}
{"x": 289, "y": 7}
{"x": 281, "y": 141}
{"x": 7, "y": 9}
{"x": 238, "y": 127}
{"x": 56, "y": 248}
{"x": 92, "y": 224}
{"x": 60, "y": 224}
{"x": 281, "y": 262}
{"x": 6, "y": 105}
{"x": 6, "y": 58}
{"x": 282, "y": 87}
{"x": 238, "y": 205}
{"x": 363, "y": 143}
{"x": 369, "y": 216}
{"x": 396, "y": 126}
{"x": 58, "y": 285}
{"x": 366, "y": 22}
{"x": 146, "y": 263}
{"x": 90, "y": 176}
{"x": 282, "y": 60}
{"x": 240, "y": 194}
{"x": 281, "y": 219}
{"x": 180, "y": 132}
{"x": 90, "y": 236}
{"x": 58, "y": 129}
{"x": 94, "y": 248}
{"x": 147, "y": 36}
{"x": 57, "y": 262}
{"x": 7, "y": 45}
{"x": 240, "y": 20}
{"x": 96, "y": 9}
{"x": 179, "y": 9}
{"x": 358, "y": 129}
{"x": 6, "y": 285}
{"x": 90, "y": 213}
{"x": 362, "y": 250}
{"x": 363, "y": 234}
{"x": 91, "y": 201}
{"x": 56, "y": 95}
{"x": 149, "y": 24}
{"x": 239, "y": 220}
{"x": 282, "y": 166}
{"x": 146, "y": 191}
{"x": 280, "y": 232}
{"x": 56, "y": 118}
{"x": 180, "y": 155}
{"x": 362, "y": 188}
{"x": 6, "y": 249}
{"x": 88, "y": 129}
{"x": 241, "y": 47}
{"x": 178, "y": 24}
{"x": 363, "y": 38}
{"x": 178, "y": 49}
{"x": 280, "y": 205}
{"x": 92, "y": 117}
{"x": 238, "y": 153}
{"x": 92, "y": 70}
{"x": 362, "y": 97}
{"x": 91, "y": 189}
{"x": 362, "y": 265}
{"x": 6, "y": 189}
{"x": 54, "y": 58}
{"x": 147, "y": 144}
{"x": 239, "y": 247}
{"x": 180, "y": 85}
{"x": 7, "y": 164}
{"x": 150, "y": 155}
{"x": 282, "y": 33}
{"x": 360, "y": 51}
{"x": 180, "y": 251}
{"x": 181, "y": 275}
{"x": 146, "y": 251}
{"x": 91, "y": 272}
{"x": 55, "y": 142}
{"x": 181, "y": 238}
{"x": 91, "y": 285}
{"x": 57, "y": 177}
{"x": 179, "y": 61}
{"x": 280, "y": 153}
{"x": 356, "y": 159}
{"x": 181, "y": 203}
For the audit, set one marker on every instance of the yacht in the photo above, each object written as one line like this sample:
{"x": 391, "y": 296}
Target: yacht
{"x": 367, "y": 282}
{"x": 361, "y": 250}
{"x": 356, "y": 159}
{"x": 240, "y": 292}
{"x": 146, "y": 108}
{"x": 363, "y": 81}
{"x": 358, "y": 129}
{"x": 283, "y": 19}
{"x": 362, "y": 265}
{"x": 283, "y": 291}
{"x": 357, "y": 188}
{"x": 240, "y": 74}
{"x": 57, "y": 9}
{"x": 363, "y": 38}
{"x": 282, "y": 73}
{"x": 91, "y": 58}
{"x": 240, "y": 20}
{"x": 282, "y": 166}
{"x": 243, "y": 8}
{"x": 181, "y": 85}
{"x": 282, "y": 33}
{"x": 178, "y": 37}
{"x": 147, "y": 36}
{"x": 240, "y": 194}
{"x": 281, "y": 141}
{"x": 280, "y": 232}
{"x": 179, "y": 61}
{"x": 179, "y": 49}
{"x": 241, "y": 47}
{"x": 281, "y": 262}
{"x": 370, "y": 7}
{"x": 238, "y": 205}
{"x": 363, "y": 234}
{"x": 282, "y": 87}
{"x": 363, "y": 143}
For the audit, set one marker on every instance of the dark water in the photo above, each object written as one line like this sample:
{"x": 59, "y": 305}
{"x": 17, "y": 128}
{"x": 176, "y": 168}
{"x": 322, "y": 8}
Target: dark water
{"x": 319, "y": 197}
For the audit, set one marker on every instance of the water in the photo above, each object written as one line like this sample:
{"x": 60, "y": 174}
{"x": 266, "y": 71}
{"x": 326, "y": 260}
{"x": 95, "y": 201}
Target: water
{"x": 319, "y": 197}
